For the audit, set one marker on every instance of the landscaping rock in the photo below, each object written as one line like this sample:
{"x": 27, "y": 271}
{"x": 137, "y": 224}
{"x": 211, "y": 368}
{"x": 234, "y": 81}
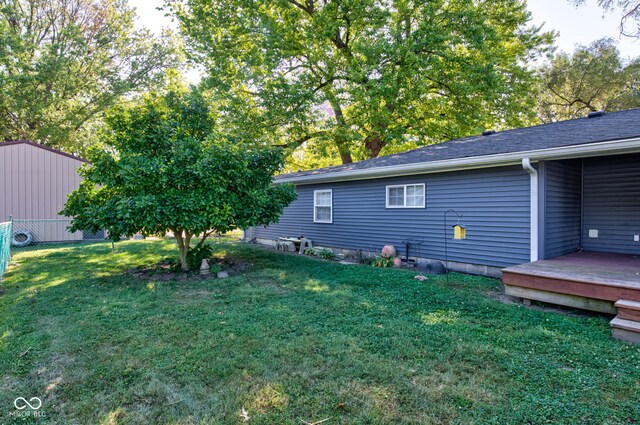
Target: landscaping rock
{"x": 222, "y": 275}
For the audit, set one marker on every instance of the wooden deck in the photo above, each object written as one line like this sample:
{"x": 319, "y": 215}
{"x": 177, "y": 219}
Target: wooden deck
{"x": 608, "y": 283}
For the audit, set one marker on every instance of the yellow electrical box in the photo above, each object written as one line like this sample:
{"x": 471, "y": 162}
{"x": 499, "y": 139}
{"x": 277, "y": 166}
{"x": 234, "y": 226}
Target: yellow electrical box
{"x": 459, "y": 232}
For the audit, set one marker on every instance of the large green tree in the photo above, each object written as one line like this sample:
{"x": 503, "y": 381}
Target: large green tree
{"x": 594, "y": 77}
{"x": 365, "y": 77}
{"x": 63, "y": 62}
{"x": 164, "y": 167}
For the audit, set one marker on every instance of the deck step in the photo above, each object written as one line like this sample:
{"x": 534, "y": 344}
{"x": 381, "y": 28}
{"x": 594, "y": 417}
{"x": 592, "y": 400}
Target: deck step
{"x": 632, "y": 305}
{"x": 627, "y": 330}
{"x": 630, "y": 325}
{"x": 628, "y": 310}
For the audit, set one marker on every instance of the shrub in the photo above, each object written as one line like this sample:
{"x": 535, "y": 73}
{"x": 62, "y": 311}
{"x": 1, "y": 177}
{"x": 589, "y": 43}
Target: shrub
{"x": 197, "y": 254}
{"x": 326, "y": 254}
{"x": 380, "y": 261}
{"x": 164, "y": 166}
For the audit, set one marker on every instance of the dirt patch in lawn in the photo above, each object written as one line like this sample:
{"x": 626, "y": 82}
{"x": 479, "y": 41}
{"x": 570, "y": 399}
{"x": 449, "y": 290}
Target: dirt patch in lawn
{"x": 231, "y": 265}
{"x": 167, "y": 270}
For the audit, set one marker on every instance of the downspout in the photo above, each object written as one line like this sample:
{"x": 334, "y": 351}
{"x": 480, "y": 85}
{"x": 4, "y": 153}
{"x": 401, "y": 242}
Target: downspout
{"x": 526, "y": 164}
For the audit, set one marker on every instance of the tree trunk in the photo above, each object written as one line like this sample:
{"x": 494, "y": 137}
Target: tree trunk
{"x": 373, "y": 145}
{"x": 182, "y": 239}
{"x": 345, "y": 154}
{"x": 343, "y": 148}
{"x": 183, "y": 259}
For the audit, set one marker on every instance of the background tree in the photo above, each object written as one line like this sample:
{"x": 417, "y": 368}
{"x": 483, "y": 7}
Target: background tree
{"x": 590, "y": 79}
{"x": 365, "y": 77}
{"x": 164, "y": 168}
{"x": 63, "y": 62}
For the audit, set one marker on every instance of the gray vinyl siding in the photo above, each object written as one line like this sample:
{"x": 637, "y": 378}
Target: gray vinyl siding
{"x": 494, "y": 202}
{"x": 612, "y": 204}
{"x": 562, "y": 206}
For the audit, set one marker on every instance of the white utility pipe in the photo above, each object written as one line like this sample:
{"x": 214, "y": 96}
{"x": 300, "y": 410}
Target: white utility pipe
{"x": 526, "y": 164}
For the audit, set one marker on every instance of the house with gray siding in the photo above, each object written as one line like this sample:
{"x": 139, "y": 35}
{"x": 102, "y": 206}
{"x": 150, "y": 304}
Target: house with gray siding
{"x": 553, "y": 209}
{"x": 524, "y": 195}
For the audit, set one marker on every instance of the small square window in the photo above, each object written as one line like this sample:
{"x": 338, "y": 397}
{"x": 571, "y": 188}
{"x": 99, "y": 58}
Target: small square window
{"x": 396, "y": 197}
{"x": 414, "y": 195}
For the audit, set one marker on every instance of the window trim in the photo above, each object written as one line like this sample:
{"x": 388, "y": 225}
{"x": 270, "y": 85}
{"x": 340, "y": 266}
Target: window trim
{"x": 315, "y": 206}
{"x": 404, "y": 195}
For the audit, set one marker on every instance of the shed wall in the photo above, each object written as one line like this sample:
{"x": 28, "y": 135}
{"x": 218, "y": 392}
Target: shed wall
{"x": 494, "y": 204}
{"x": 34, "y": 184}
{"x": 612, "y": 204}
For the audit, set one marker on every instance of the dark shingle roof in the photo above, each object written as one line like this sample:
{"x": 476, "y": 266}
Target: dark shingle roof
{"x": 580, "y": 131}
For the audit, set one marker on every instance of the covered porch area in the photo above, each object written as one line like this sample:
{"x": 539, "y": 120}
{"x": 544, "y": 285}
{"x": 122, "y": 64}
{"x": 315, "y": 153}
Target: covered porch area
{"x": 589, "y": 240}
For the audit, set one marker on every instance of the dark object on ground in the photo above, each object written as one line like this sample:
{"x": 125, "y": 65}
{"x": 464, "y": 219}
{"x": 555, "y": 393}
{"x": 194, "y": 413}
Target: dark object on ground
{"x": 431, "y": 267}
{"x": 22, "y": 238}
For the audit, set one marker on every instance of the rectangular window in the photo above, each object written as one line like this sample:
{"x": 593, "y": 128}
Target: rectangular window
{"x": 323, "y": 206}
{"x": 405, "y": 196}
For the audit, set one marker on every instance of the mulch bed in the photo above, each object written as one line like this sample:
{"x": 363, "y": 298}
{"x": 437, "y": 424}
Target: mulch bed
{"x": 167, "y": 270}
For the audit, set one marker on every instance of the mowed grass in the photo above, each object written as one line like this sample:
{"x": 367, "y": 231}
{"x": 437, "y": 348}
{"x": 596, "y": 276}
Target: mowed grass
{"x": 294, "y": 340}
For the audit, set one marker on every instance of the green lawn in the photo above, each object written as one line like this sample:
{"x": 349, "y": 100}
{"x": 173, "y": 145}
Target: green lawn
{"x": 294, "y": 340}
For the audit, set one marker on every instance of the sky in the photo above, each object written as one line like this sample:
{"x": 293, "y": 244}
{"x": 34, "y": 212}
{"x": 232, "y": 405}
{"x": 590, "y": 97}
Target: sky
{"x": 575, "y": 25}
{"x": 581, "y": 25}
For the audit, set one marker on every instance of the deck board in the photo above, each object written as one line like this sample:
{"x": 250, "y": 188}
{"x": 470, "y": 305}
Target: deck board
{"x": 618, "y": 270}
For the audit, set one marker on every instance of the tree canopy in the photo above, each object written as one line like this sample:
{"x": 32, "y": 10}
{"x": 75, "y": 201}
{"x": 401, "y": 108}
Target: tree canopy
{"x": 364, "y": 77}
{"x": 64, "y": 62}
{"x": 594, "y": 77}
{"x": 164, "y": 167}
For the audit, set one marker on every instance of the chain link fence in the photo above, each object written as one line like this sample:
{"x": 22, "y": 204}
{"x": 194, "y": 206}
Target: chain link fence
{"x": 29, "y": 233}
{"x": 5, "y": 247}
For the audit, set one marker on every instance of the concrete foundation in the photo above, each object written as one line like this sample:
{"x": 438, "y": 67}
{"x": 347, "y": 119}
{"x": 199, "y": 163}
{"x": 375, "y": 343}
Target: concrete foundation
{"x": 475, "y": 269}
